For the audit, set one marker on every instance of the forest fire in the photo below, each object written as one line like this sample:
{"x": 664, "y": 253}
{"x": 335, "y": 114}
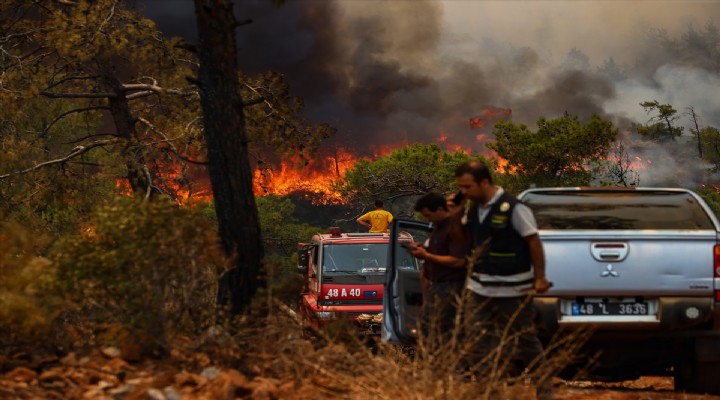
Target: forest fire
{"x": 288, "y": 178}
{"x": 489, "y": 116}
{"x": 318, "y": 177}
{"x": 315, "y": 179}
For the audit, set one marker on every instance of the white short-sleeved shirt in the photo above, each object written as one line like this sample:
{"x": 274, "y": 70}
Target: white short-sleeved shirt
{"x": 523, "y": 221}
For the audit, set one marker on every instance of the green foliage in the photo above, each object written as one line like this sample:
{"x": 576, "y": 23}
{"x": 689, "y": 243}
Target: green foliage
{"x": 710, "y": 141}
{"x": 94, "y": 60}
{"x": 26, "y": 307}
{"x": 408, "y": 171}
{"x": 150, "y": 267}
{"x": 281, "y": 231}
{"x": 557, "y": 154}
{"x": 711, "y": 197}
{"x": 663, "y": 128}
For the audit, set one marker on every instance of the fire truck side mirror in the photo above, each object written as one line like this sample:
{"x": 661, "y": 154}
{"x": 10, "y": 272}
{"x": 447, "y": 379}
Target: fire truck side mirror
{"x": 302, "y": 263}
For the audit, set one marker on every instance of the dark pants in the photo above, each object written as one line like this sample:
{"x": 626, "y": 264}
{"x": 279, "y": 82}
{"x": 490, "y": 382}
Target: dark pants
{"x": 439, "y": 308}
{"x": 504, "y": 334}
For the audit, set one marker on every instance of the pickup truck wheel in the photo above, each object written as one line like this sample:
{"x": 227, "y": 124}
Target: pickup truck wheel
{"x": 698, "y": 377}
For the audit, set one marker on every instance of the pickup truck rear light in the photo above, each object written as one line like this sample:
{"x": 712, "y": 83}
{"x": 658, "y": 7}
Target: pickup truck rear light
{"x": 716, "y": 269}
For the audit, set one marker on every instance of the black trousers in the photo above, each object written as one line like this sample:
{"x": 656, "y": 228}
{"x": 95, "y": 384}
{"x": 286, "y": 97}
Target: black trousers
{"x": 440, "y": 307}
{"x": 504, "y": 335}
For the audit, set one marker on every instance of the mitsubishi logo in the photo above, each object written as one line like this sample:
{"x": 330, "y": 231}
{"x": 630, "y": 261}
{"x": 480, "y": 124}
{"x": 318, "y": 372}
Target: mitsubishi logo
{"x": 609, "y": 271}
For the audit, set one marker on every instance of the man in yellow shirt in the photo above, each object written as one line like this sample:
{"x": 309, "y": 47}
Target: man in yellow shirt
{"x": 377, "y": 220}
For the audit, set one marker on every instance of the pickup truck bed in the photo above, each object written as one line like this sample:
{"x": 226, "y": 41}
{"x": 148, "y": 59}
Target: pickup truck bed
{"x": 641, "y": 268}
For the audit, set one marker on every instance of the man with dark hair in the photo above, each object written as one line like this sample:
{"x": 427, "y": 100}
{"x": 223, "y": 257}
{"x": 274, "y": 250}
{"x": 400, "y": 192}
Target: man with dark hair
{"x": 377, "y": 220}
{"x": 508, "y": 270}
{"x": 444, "y": 266}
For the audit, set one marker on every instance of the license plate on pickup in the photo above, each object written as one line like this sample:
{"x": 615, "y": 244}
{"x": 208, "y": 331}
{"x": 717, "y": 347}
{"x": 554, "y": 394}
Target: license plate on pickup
{"x": 609, "y": 308}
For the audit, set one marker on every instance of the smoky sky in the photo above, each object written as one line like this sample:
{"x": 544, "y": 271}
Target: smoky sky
{"x": 384, "y": 72}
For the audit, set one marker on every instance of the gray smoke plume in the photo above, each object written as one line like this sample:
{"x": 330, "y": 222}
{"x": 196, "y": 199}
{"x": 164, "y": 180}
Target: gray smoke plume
{"x": 386, "y": 72}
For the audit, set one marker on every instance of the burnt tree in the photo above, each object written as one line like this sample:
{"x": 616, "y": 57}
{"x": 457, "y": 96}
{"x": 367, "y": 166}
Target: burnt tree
{"x": 227, "y": 149}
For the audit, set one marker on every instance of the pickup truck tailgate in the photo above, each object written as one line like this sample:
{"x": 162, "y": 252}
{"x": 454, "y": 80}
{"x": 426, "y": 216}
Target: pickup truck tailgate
{"x": 667, "y": 263}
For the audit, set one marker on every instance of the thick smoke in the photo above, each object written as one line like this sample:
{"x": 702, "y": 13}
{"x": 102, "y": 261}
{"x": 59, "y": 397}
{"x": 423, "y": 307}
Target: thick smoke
{"x": 411, "y": 71}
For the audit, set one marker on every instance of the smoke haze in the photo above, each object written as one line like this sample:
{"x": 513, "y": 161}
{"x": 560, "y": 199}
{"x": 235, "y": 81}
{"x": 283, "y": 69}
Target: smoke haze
{"x": 385, "y": 72}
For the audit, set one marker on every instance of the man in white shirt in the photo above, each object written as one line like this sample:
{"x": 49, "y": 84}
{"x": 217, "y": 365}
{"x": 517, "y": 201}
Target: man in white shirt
{"x": 505, "y": 274}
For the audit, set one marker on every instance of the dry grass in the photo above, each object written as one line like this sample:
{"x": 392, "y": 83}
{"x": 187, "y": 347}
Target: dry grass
{"x": 340, "y": 365}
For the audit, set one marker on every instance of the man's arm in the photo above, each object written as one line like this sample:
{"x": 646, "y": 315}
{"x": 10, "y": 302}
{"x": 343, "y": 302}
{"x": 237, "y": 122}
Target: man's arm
{"x": 363, "y": 220}
{"x": 537, "y": 256}
{"x": 445, "y": 260}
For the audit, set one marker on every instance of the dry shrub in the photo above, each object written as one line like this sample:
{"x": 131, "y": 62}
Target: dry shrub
{"x": 143, "y": 270}
{"x": 26, "y": 307}
{"x": 334, "y": 363}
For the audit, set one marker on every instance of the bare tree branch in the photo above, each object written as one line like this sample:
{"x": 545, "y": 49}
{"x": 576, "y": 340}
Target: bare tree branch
{"x": 148, "y": 192}
{"x": 79, "y": 95}
{"x": 77, "y": 151}
{"x": 71, "y": 78}
{"x": 66, "y": 113}
{"x": 78, "y": 140}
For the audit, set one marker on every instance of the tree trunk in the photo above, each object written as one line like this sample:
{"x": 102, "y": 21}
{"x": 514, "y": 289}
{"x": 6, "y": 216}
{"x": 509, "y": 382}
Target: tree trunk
{"x": 229, "y": 164}
{"x": 125, "y": 128}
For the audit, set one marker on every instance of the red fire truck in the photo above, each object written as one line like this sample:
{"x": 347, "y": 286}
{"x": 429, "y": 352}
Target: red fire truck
{"x": 344, "y": 275}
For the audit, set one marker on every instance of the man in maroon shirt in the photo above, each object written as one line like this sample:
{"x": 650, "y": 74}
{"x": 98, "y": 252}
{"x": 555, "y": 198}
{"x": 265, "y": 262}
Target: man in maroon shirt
{"x": 444, "y": 266}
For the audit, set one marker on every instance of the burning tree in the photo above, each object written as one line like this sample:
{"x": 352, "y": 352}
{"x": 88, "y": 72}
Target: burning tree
{"x": 618, "y": 169}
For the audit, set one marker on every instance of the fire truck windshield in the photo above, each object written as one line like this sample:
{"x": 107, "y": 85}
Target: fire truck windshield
{"x": 359, "y": 258}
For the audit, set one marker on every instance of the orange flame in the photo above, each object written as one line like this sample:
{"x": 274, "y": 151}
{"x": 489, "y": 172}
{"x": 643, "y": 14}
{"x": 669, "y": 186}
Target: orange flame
{"x": 489, "y": 116}
{"x": 318, "y": 177}
{"x": 191, "y": 186}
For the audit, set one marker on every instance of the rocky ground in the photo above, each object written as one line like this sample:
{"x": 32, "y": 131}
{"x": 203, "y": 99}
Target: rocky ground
{"x": 108, "y": 375}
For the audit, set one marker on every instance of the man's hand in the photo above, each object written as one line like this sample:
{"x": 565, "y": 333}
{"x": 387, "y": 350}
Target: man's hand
{"x": 417, "y": 251}
{"x": 541, "y": 284}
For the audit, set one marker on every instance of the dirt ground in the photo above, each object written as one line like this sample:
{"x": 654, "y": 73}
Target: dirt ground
{"x": 645, "y": 388}
{"x": 106, "y": 375}
{"x": 159, "y": 385}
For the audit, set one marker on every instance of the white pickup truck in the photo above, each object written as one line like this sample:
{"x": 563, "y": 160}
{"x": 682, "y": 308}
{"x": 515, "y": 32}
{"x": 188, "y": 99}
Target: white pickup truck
{"x": 639, "y": 266}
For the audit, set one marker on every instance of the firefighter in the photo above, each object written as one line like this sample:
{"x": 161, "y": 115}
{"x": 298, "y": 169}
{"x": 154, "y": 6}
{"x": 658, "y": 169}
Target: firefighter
{"x": 377, "y": 220}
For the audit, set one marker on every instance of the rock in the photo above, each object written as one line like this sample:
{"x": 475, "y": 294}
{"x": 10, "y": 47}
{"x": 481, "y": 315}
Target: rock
{"x": 171, "y": 393}
{"x": 184, "y": 379}
{"x": 131, "y": 352}
{"x": 69, "y": 359}
{"x": 210, "y": 373}
{"x": 51, "y": 375}
{"x": 155, "y": 394}
{"x": 264, "y": 389}
{"x": 121, "y": 391}
{"x": 21, "y": 374}
{"x": 229, "y": 386}
{"x": 111, "y": 352}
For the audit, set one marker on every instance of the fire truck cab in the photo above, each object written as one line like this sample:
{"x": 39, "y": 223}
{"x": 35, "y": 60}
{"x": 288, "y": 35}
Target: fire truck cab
{"x": 344, "y": 275}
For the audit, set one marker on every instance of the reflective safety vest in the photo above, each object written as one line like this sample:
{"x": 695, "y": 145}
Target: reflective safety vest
{"x": 506, "y": 261}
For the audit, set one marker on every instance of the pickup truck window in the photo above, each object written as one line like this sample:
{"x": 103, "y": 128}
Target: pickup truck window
{"x": 609, "y": 210}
